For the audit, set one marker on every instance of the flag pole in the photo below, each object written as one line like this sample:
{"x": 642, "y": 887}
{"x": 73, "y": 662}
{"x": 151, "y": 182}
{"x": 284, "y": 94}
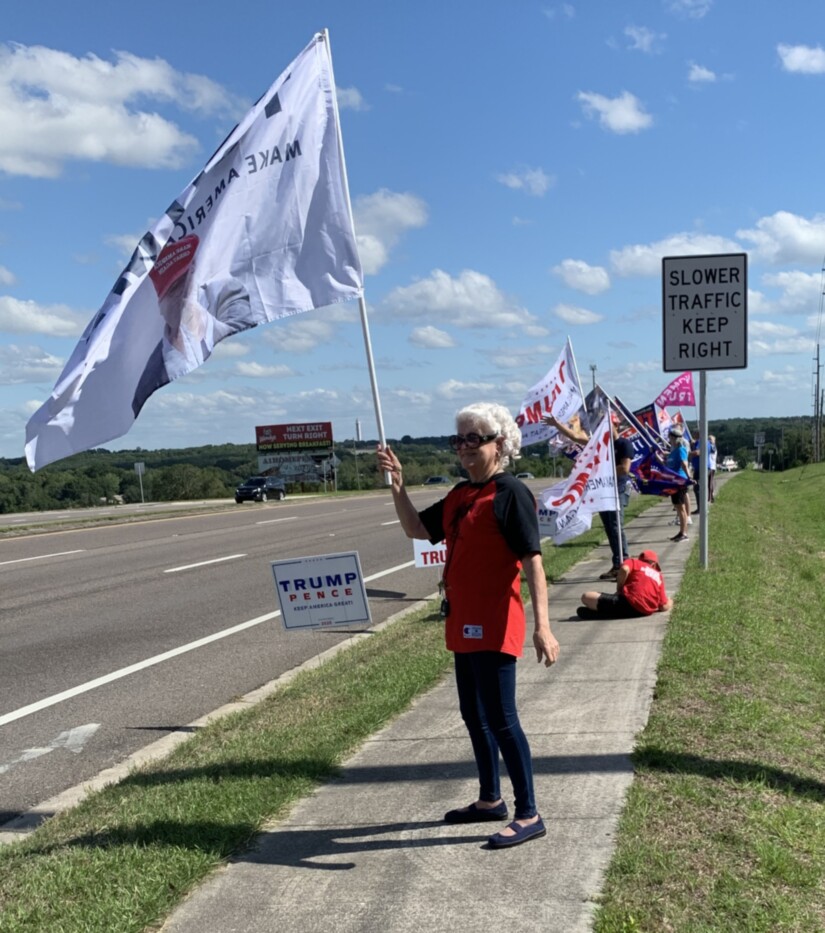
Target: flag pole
{"x": 575, "y": 368}
{"x": 617, "y": 513}
{"x": 362, "y": 305}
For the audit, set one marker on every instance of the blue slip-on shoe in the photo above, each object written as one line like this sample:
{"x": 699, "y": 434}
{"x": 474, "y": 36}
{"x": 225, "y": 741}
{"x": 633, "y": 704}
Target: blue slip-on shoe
{"x": 474, "y": 814}
{"x": 521, "y": 834}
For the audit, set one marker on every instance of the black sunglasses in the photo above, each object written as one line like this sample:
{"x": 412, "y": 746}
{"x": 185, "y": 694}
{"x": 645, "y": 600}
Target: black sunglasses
{"x": 471, "y": 441}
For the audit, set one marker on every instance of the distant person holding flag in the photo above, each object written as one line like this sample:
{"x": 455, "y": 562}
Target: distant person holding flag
{"x": 613, "y": 520}
{"x": 677, "y": 461}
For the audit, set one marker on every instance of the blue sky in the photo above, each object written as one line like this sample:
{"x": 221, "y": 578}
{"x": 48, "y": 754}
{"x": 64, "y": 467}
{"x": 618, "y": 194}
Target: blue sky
{"x": 517, "y": 172}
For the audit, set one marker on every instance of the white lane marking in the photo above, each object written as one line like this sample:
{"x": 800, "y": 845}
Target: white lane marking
{"x": 204, "y": 563}
{"x": 20, "y": 560}
{"x": 159, "y": 658}
{"x": 271, "y": 521}
{"x": 72, "y": 740}
{"x": 386, "y": 573}
{"x": 396, "y": 522}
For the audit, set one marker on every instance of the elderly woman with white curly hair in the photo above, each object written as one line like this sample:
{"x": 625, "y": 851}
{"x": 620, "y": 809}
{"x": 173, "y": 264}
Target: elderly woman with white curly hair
{"x": 491, "y": 530}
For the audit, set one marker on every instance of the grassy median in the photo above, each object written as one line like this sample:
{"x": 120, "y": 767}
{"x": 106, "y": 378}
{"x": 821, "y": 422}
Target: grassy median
{"x": 122, "y": 859}
{"x": 724, "y": 828}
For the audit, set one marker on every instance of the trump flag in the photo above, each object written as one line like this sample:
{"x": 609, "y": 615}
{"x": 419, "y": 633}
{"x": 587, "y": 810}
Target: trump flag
{"x": 566, "y": 509}
{"x": 558, "y": 394}
{"x": 262, "y": 232}
{"x": 678, "y": 392}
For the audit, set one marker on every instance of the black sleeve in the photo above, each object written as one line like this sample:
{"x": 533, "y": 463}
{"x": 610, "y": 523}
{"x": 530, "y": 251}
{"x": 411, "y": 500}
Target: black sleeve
{"x": 515, "y": 511}
{"x": 433, "y": 520}
{"x": 624, "y": 449}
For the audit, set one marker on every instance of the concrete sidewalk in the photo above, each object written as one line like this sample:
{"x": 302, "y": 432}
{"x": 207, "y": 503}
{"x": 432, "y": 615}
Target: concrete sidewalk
{"x": 369, "y": 851}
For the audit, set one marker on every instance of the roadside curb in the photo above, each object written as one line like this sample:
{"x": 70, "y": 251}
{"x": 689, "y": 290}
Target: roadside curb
{"x": 21, "y": 826}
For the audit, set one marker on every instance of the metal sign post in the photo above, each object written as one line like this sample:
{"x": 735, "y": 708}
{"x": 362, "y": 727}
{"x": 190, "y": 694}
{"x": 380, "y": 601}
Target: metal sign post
{"x": 140, "y": 469}
{"x": 704, "y": 326}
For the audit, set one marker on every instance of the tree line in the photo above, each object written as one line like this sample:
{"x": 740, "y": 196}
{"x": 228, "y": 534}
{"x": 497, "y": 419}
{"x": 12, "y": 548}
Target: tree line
{"x": 213, "y": 471}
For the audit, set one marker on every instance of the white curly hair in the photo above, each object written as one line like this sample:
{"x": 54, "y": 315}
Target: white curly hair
{"x": 491, "y": 418}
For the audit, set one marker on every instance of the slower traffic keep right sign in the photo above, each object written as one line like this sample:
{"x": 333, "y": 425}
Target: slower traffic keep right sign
{"x": 705, "y": 312}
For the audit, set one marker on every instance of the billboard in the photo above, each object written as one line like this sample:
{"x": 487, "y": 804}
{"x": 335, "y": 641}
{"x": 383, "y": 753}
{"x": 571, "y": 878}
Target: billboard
{"x": 286, "y": 437}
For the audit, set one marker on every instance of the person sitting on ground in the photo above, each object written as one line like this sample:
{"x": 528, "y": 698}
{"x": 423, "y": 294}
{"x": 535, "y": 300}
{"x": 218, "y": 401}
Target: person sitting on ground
{"x": 640, "y": 591}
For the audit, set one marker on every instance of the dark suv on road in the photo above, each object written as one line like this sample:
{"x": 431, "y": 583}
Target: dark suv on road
{"x": 438, "y": 481}
{"x": 261, "y": 488}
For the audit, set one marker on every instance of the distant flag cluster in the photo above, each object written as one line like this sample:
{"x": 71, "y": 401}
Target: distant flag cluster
{"x": 566, "y": 509}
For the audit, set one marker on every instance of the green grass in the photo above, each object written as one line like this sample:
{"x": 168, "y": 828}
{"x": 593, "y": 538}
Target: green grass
{"x": 724, "y": 828}
{"x": 123, "y": 858}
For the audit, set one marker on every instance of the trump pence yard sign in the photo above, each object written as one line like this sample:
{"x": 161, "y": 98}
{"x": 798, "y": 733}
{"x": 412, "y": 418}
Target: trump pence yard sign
{"x": 705, "y": 312}
{"x": 316, "y": 592}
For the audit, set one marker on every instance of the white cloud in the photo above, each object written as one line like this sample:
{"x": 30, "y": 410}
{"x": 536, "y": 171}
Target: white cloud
{"x": 529, "y": 358}
{"x": 764, "y": 329}
{"x": 564, "y": 10}
{"x": 532, "y": 181}
{"x": 431, "y": 338}
{"x": 799, "y": 290}
{"x": 28, "y": 364}
{"x": 575, "y": 273}
{"x": 781, "y": 346}
{"x": 452, "y": 390}
{"x": 694, "y": 9}
{"x": 646, "y": 259}
{"x": 55, "y": 107}
{"x": 300, "y": 336}
{"x": 124, "y": 243}
{"x": 802, "y": 59}
{"x": 349, "y": 98}
{"x": 787, "y": 238}
{"x": 573, "y": 315}
{"x": 787, "y": 379}
{"x": 410, "y": 397}
{"x": 28, "y": 317}
{"x": 698, "y": 74}
{"x": 251, "y": 370}
{"x": 7, "y": 277}
{"x": 470, "y": 300}
{"x": 643, "y": 39}
{"x": 380, "y": 220}
{"x": 623, "y": 114}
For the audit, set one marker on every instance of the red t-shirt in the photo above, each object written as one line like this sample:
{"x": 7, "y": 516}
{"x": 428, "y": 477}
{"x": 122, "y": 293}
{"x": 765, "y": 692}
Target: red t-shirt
{"x": 644, "y": 587}
{"x": 488, "y": 528}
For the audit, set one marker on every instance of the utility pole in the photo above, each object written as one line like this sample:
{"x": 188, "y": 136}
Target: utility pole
{"x": 355, "y": 452}
{"x": 817, "y": 425}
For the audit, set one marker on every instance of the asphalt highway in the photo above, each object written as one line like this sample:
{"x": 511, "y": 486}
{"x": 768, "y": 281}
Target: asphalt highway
{"x": 100, "y": 626}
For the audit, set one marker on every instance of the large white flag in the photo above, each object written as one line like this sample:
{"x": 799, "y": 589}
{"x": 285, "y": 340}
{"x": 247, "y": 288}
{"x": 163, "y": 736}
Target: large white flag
{"x": 566, "y": 509}
{"x": 264, "y": 231}
{"x": 558, "y": 394}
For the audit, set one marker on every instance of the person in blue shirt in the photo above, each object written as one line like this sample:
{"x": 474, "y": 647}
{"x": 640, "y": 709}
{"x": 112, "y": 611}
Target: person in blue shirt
{"x": 677, "y": 460}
